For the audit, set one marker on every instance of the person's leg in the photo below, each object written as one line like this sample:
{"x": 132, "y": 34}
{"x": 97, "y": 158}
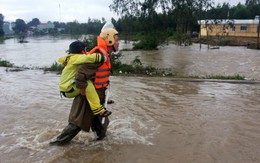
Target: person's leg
{"x": 94, "y": 101}
{"x": 74, "y": 93}
{"x": 68, "y": 133}
{"x": 98, "y": 127}
{"x": 92, "y": 98}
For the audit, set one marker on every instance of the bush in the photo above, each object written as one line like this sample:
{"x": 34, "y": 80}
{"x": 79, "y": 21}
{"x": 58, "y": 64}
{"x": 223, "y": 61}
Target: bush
{"x": 252, "y": 46}
{"x": 224, "y": 42}
{"x": 151, "y": 40}
{"x": 235, "y": 77}
{"x": 146, "y": 43}
{"x": 4, "y": 63}
{"x": 91, "y": 42}
{"x": 55, "y": 67}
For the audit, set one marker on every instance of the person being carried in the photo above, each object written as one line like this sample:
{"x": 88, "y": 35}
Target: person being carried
{"x": 78, "y": 55}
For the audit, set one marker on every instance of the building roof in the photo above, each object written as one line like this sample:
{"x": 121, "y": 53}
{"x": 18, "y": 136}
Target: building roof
{"x": 227, "y": 21}
{"x": 47, "y": 25}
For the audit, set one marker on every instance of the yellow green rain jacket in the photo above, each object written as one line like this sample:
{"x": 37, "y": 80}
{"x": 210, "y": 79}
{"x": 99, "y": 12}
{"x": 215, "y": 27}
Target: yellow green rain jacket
{"x": 71, "y": 62}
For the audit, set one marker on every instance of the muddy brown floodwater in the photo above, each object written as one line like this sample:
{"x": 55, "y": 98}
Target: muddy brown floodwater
{"x": 154, "y": 119}
{"x": 194, "y": 61}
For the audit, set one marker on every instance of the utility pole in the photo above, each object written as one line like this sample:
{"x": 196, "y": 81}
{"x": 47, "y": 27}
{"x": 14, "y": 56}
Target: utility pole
{"x": 258, "y": 31}
{"x": 200, "y": 20}
{"x": 59, "y": 13}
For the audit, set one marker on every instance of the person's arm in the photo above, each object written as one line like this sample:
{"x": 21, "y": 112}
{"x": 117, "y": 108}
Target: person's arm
{"x": 90, "y": 58}
{"x": 85, "y": 72}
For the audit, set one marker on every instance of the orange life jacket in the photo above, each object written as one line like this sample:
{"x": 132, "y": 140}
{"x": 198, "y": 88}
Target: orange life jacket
{"x": 101, "y": 78}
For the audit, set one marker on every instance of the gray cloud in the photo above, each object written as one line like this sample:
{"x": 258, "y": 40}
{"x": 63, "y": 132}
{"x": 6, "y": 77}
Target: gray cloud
{"x": 53, "y": 10}
{"x": 63, "y": 10}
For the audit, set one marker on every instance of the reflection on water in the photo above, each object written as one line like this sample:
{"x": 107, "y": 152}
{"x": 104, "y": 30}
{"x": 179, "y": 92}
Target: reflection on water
{"x": 154, "y": 119}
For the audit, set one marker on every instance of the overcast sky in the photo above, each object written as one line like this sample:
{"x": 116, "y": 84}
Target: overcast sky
{"x": 63, "y": 10}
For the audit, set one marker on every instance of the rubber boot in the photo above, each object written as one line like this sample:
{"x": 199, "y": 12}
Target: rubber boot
{"x": 98, "y": 127}
{"x": 68, "y": 133}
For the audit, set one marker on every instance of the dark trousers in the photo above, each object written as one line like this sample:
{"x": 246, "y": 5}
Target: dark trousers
{"x": 71, "y": 130}
{"x": 68, "y": 133}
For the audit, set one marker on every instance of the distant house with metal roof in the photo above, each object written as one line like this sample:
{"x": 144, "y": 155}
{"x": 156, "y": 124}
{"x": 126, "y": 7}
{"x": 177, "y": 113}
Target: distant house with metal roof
{"x": 8, "y": 28}
{"x": 45, "y": 26}
{"x": 230, "y": 27}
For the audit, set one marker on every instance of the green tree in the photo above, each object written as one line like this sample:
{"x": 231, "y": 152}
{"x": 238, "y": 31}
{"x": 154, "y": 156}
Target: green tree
{"x": 73, "y": 27}
{"x": 253, "y": 6}
{"x": 145, "y": 12}
{"x": 59, "y": 24}
{"x": 1, "y": 25}
{"x": 34, "y": 22}
{"x": 94, "y": 26}
{"x": 219, "y": 12}
{"x": 20, "y": 26}
{"x": 252, "y": 2}
{"x": 241, "y": 12}
{"x": 183, "y": 12}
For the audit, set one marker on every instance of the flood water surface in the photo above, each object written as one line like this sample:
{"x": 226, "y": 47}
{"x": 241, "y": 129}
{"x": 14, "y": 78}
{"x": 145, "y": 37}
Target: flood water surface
{"x": 154, "y": 119}
{"x": 193, "y": 61}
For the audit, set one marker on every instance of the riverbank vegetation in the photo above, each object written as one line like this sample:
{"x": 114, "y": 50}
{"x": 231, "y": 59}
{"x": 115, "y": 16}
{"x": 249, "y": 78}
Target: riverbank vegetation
{"x": 227, "y": 41}
{"x": 222, "y": 77}
{"x": 136, "y": 68}
{"x": 4, "y": 63}
{"x": 55, "y": 67}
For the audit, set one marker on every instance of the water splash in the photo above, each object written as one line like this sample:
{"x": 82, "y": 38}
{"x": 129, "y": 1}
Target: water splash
{"x": 131, "y": 130}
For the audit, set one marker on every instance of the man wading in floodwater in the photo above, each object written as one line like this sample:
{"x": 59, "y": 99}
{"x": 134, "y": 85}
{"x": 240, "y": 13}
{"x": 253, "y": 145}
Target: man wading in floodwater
{"x": 81, "y": 116}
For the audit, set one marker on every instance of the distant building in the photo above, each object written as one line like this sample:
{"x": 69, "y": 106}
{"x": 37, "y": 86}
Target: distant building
{"x": 45, "y": 26}
{"x": 231, "y": 27}
{"x": 61, "y": 29}
{"x": 8, "y": 28}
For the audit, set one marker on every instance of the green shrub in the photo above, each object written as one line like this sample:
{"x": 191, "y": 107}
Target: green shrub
{"x": 224, "y": 42}
{"x": 234, "y": 77}
{"x": 55, "y": 67}
{"x": 91, "y": 42}
{"x": 146, "y": 44}
{"x": 4, "y": 63}
{"x": 151, "y": 40}
{"x": 252, "y": 46}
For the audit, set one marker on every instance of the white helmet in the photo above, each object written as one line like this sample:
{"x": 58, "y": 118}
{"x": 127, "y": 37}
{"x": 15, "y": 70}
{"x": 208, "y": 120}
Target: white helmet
{"x": 108, "y": 32}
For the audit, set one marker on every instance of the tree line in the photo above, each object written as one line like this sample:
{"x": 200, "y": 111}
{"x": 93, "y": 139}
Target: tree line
{"x": 93, "y": 26}
{"x": 153, "y": 21}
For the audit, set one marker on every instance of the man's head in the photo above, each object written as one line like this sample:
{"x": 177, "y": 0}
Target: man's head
{"x": 77, "y": 47}
{"x": 110, "y": 35}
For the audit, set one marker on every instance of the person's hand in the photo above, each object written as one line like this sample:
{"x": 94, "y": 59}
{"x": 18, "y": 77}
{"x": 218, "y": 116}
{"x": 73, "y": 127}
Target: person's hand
{"x": 82, "y": 92}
